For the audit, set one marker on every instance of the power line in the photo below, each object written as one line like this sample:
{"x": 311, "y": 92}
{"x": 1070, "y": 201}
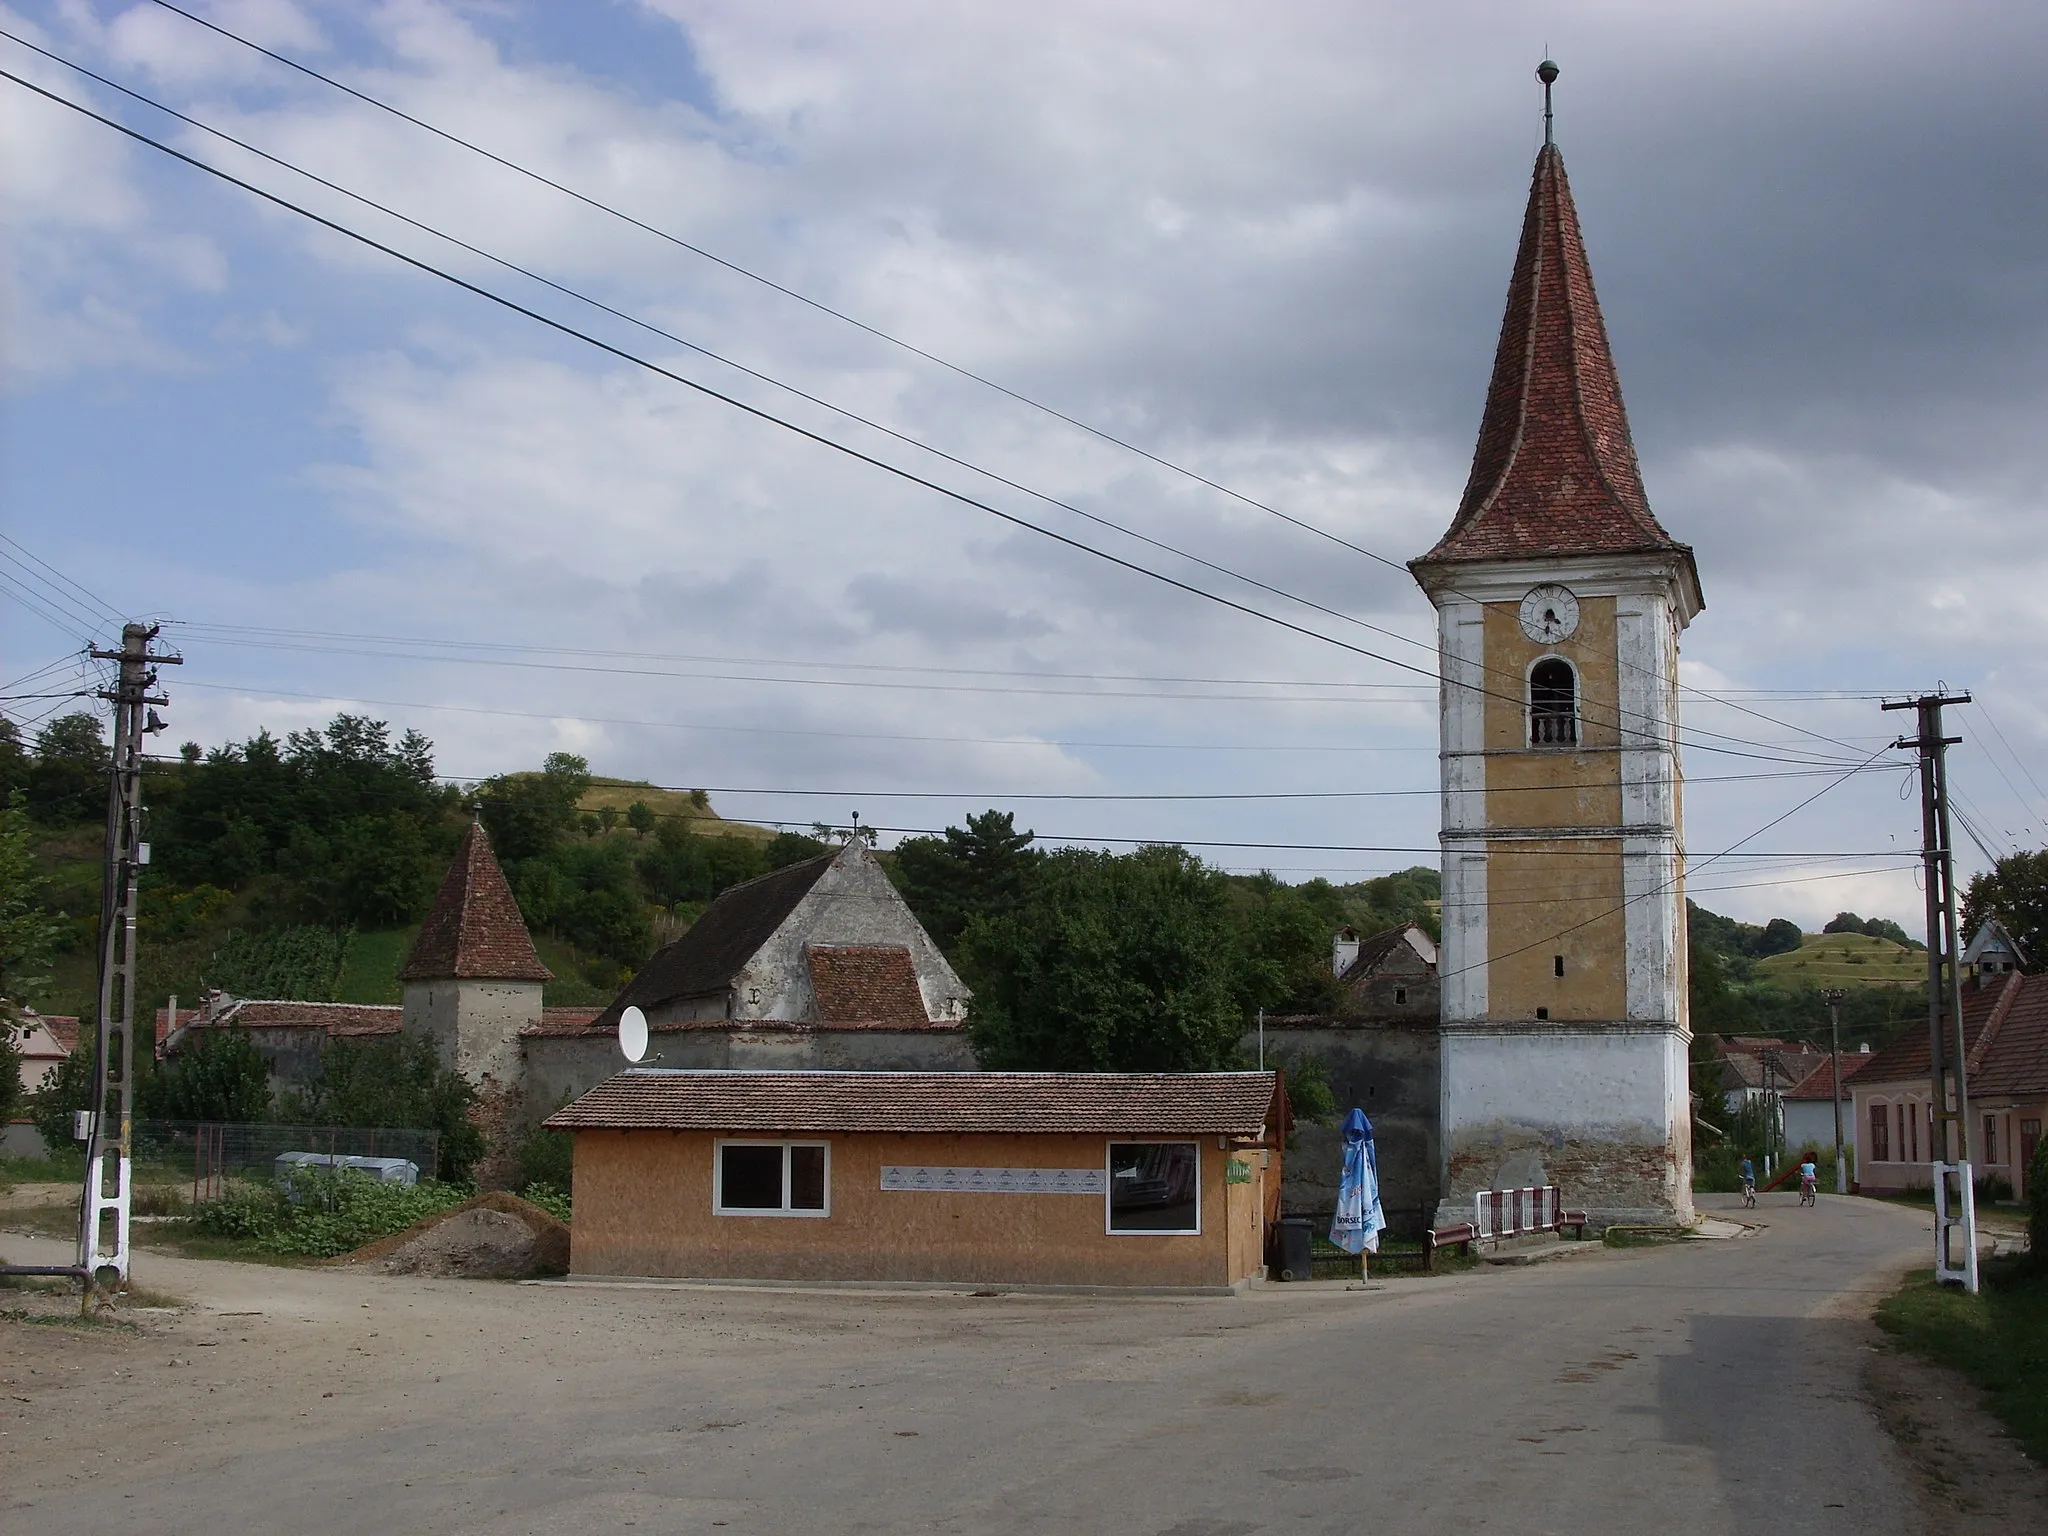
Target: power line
{"x": 1235, "y": 575}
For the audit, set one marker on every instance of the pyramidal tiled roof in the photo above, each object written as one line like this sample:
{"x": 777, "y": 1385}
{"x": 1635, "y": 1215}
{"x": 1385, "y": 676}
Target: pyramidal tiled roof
{"x": 474, "y": 930}
{"x": 1555, "y": 469}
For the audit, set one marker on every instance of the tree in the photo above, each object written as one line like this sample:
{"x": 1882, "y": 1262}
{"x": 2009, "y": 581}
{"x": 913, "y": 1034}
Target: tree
{"x": 2015, "y": 891}
{"x": 1108, "y": 963}
{"x": 28, "y": 934}
{"x": 1780, "y": 936}
{"x": 640, "y": 817}
{"x": 67, "y": 782}
{"x": 1843, "y": 922}
{"x": 219, "y": 1075}
{"x": 1283, "y": 946}
{"x": 980, "y": 870}
{"x": 400, "y": 1082}
{"x": 528, "y": 813}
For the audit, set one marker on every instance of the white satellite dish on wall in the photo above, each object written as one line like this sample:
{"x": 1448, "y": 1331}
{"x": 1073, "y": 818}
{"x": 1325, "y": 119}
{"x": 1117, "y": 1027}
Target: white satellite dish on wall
{"x": 633, "y": 1034}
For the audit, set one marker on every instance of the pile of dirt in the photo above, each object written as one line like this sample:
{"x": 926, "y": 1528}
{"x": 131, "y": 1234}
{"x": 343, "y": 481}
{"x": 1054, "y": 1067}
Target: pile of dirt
{"x": 493, "y": 1237}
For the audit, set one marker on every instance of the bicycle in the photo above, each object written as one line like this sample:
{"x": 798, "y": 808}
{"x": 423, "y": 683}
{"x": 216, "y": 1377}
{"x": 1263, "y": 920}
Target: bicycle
{"x": 1749, "y": 1195}
{"x": 1806, "y": 1192}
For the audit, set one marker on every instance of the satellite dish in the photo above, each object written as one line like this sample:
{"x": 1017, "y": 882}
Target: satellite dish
{"x": 633, "y": 1034}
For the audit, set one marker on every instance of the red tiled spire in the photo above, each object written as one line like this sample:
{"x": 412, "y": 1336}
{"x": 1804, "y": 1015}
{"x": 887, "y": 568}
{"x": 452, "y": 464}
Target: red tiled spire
{"x": 474, "y": 930}
{"x": 1555, "y": 471}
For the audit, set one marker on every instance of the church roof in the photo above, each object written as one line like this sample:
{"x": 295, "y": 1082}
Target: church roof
{"x": 729, "y": 934}
{"x": 1555, "y": 470}
{"x": 474, "y": 930}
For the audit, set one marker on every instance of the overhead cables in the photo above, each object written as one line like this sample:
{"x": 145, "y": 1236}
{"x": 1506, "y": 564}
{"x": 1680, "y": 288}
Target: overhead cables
{"x": 759, "y": 413}
{"x": 818, "y": 305}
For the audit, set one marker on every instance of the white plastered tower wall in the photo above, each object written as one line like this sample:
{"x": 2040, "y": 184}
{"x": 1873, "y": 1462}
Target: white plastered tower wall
{"x": 1594, "y": 1099}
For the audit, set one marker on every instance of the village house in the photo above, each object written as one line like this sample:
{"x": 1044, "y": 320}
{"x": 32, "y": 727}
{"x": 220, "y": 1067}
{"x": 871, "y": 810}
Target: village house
{"x": 1165, "y": 1181}
{"x": 1379, "y": 1048}
{"x": 1809, "y": 1108}
{"x": 2005, "y": 1037}
{"x": 44, "y": 1040}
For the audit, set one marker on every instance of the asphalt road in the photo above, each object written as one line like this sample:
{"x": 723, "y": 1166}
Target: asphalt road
{"x": 1710, "y": 1387}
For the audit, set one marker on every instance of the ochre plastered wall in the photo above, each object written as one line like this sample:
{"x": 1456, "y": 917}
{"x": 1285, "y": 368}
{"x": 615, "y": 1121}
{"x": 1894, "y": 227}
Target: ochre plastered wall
{"x": 643, "y": 1207}
{"x": 1547, "y": 898}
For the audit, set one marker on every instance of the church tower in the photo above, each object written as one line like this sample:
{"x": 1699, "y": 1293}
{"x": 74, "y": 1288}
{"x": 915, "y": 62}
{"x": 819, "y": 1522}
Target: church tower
{"x": 1559, "y": 600}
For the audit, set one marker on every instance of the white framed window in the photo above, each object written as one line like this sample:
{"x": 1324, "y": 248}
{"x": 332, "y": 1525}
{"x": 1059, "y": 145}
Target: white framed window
{"x": 771, "y": 1178}
{"x": 1155, "y": 1187}
{"x": 1553, "y": 703}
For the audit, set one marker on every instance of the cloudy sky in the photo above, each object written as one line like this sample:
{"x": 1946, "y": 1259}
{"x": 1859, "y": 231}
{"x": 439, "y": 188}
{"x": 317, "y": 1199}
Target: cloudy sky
{"x": 1266, "y": 244}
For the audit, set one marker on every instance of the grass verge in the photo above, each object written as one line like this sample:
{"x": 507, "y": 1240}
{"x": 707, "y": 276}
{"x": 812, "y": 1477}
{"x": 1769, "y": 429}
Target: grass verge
{"x": 1998, "y": 1338}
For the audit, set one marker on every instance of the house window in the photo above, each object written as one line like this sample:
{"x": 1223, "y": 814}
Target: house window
{"x": 1400, "y": 995}
{"x": 1557, "y": 965}
{"x": 1990, "y": 1149}
{"x": 772, "y": 1178}
{"x": 1880, "y": 1133}
{"x": 2030, "y": 1139}
{"x": 1155, "y": 1186}
{"x": 1553, "y": 704}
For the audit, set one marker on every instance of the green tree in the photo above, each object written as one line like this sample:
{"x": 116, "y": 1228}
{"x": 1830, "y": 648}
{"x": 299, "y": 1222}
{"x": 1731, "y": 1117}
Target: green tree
{"x": 28, "y": 934}
{"x": 2015, "y": 891}
{"x": 527, "y": 814}
{"x": 64, "y": 1092}
{"x": 980, "y": 870}
{"x": 400, "y": 1082}
{"x": 1780, "y": 936}
{"x": 14, "y": 760}
{"x": 1108, "y": 964}
{"x": 218, "y": 1075}
{"x": 67, "y": 781}
{"x": 1282, "y": 946}
{"x": 640, "y": 817}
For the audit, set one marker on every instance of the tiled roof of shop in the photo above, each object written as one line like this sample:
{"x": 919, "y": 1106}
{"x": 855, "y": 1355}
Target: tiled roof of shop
{"x": 2014, "y": 1057}
{"x": 948, "y": 1103}
{"x": 474, "y": 930}
{"x": 1554, "y": 472}
{"x": 866, "y": 984}
{"x": 729, "y": 934}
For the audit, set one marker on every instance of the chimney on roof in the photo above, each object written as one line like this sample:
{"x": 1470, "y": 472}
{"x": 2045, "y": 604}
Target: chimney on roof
{"x": 1344, "y": 951}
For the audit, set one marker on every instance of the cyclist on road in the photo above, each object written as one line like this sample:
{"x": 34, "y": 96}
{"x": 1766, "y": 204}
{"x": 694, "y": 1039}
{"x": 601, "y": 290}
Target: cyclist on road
{"x": 1748, "y": 1174}
{"x": 1809, "y": 1177}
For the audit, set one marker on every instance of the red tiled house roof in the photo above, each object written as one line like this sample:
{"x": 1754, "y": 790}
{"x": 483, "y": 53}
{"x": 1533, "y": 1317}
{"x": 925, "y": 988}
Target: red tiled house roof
{"x": 1242, "y": 1104}
{"x": 1819, "y": 1083}
{"x": 474, "y": 930}
{"x": 2005, "y": 1039}
{"x": 1555, "y": 469}
{"x": 866, "y": 984}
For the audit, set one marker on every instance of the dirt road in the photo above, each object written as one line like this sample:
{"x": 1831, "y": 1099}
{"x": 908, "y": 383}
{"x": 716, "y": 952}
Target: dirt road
{"x": 1714, "y": 1387}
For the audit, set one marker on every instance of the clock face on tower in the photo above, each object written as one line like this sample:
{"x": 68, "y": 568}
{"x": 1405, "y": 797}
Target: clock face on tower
{"x": 1549, "y": 614}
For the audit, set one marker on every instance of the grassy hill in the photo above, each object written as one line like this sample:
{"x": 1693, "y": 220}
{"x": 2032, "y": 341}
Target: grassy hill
{"x": 690, "y": 805}
{"x": 1845, "y": 960}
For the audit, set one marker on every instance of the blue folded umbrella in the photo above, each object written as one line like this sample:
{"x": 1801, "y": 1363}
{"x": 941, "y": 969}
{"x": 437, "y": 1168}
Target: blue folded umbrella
{"x": 1359, "y": 1219}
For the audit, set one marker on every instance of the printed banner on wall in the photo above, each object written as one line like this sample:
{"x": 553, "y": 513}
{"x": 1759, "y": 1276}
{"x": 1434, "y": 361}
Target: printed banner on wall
{"x": 995, "y": 1181}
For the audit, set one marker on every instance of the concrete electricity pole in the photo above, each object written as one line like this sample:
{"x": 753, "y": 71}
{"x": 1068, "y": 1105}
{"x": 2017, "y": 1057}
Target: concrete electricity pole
{"x": 108, "y": 1133}
{"x": 1834, "y": 995}
{"x": 1951, "y": 1101}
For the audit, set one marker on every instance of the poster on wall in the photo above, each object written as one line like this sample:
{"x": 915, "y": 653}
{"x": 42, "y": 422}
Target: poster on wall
{"x": 994, "y": 1181}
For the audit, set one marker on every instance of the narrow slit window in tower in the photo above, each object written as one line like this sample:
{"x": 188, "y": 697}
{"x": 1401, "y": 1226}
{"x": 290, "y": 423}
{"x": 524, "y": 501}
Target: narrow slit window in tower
{"x": 1557, "y": 965}
{"x": 1553, "y": 704}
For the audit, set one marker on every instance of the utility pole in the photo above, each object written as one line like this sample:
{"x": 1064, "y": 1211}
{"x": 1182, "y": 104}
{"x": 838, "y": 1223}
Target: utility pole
{"x": 1834, "y": 995}
{"x": 103, "y": 1212}
{"x": 1950, "y": 1102}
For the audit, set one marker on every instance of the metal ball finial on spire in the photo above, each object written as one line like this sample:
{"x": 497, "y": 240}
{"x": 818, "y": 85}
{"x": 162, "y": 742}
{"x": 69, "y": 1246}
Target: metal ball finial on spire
{"x": 1547, "y": 72}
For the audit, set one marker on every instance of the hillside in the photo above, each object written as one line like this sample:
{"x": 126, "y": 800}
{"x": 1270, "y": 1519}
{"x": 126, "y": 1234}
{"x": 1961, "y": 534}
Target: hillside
{"x": 1844, "y": 960}
{"x": 691, "y": 806}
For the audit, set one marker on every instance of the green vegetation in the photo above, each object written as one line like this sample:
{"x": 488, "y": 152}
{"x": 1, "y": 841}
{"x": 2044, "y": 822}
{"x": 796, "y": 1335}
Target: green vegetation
{"x": 322, "y": 1214}
{"x": 1846, "y": 960}
{"x": 1998, "y": 1338}
{"x": 2015, "y": 891}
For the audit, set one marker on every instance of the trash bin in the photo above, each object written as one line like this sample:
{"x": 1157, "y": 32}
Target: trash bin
{"x": 1293, "y": 1239}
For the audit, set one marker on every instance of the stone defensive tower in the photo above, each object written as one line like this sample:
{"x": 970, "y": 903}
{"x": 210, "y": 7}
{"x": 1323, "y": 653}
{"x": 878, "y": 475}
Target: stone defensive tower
{"x": 1560, "y": 599}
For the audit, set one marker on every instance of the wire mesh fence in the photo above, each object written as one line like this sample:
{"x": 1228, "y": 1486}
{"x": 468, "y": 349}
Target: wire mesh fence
{"x": 211, "y": 1153}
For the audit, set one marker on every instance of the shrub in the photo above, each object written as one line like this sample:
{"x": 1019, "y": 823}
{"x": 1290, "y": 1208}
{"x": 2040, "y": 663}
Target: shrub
{"x": 323, "y": 1214}
{"x": 549, "y": 1198}
{"x": 546, "y": 1158}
